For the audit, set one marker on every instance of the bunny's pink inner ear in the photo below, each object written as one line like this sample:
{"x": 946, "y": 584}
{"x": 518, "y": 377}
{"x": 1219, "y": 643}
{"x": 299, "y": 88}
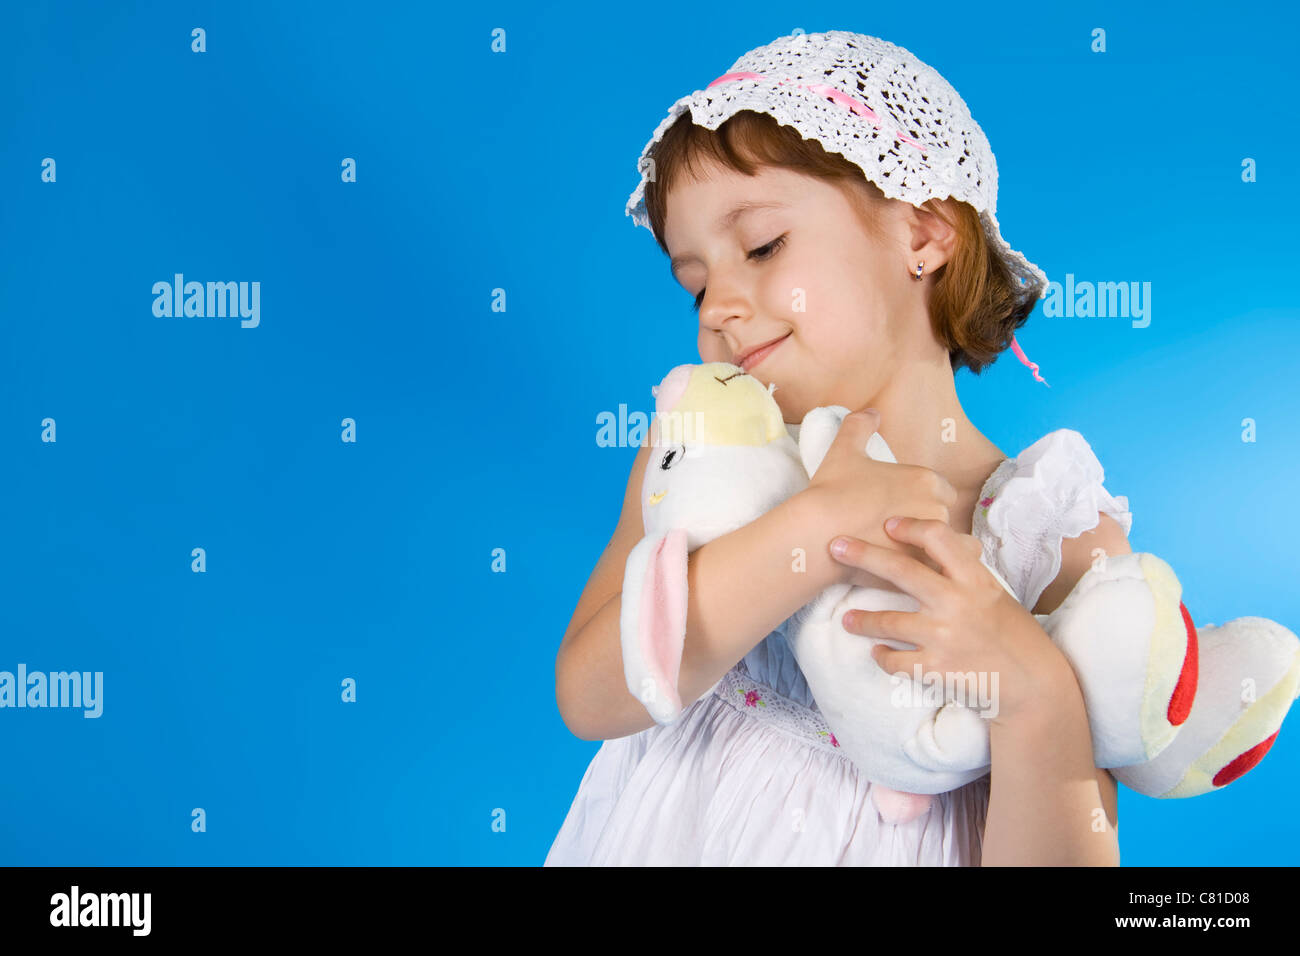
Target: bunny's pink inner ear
{"x": 670, "y": 391}
{"x": 663, "y": 608}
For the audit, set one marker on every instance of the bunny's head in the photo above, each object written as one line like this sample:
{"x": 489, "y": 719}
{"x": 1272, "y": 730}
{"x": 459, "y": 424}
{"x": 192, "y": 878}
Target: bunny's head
{"x": 721, "y": 453}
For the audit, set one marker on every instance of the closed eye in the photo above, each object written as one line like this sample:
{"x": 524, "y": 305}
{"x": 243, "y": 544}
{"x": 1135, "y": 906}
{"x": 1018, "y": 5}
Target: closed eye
{"x": 757, "y": 255}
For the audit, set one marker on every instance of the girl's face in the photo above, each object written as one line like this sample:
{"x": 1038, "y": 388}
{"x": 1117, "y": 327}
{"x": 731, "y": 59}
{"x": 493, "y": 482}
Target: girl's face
{"x": 803, "y": 268}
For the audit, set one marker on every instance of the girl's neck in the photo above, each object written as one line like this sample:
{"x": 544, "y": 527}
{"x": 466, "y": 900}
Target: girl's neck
{"x": 923, "y": 422}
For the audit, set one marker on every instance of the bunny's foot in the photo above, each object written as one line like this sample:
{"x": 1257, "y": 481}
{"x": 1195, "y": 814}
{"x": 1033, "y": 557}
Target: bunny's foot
{"x": 896, "y": 807}
{"x": 1250, "y": 675}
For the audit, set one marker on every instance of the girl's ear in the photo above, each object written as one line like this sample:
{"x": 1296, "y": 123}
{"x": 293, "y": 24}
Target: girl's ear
{"x": 932, "y": 235}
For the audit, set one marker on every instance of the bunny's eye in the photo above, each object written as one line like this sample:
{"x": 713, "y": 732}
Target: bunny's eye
{"x": 672, "y": 457}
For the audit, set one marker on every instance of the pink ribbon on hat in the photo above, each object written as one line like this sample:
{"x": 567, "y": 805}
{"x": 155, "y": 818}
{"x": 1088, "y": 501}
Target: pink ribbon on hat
{"x": 870, "y": 115}
{"x": 840, "y": 97}
{"x": 1032, "y": 366}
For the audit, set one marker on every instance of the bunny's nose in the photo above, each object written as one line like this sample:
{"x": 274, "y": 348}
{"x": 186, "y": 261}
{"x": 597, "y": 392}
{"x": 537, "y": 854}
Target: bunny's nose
{"x": 669, "y": 392}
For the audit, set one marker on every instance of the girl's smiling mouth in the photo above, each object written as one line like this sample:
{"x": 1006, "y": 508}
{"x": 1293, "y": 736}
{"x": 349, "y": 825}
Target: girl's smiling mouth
{"x": 751, "y": 359}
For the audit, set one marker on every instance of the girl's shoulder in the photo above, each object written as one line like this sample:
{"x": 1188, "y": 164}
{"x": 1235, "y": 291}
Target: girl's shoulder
{"x": 1051, "y": 491}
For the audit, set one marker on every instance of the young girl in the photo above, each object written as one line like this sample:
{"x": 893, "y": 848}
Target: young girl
{"x": 829, "y": 204}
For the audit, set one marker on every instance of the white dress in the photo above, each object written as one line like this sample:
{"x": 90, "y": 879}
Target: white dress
{"x": 750, "y": 775}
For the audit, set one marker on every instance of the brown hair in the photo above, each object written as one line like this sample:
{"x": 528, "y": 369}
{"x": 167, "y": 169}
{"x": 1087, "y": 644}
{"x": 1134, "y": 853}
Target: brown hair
{"x": 976, "y": 303}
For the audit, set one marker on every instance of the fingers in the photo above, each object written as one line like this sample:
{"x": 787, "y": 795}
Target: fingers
{"x": 903, "y": 571}
{"x": 939, "y": 486}
{"x": 954, "y": 552}
{"x": 896, "y": 662}
{"x": 854, "y": 431}
{"x": 905, "y": 626}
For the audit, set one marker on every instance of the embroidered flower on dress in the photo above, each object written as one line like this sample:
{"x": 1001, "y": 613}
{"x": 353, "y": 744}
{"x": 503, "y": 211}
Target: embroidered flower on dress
{"x": 752, "y": 698}
{"x": 824, "y": 733}
{"x": 984, "y": 504}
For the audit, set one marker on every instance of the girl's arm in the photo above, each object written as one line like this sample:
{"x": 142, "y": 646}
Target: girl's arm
{"x": 1048, "y": 803}
{"x": 740, "y": 588}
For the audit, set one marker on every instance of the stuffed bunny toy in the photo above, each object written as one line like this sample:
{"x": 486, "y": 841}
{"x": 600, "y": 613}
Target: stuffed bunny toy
{"x": 1165, "y": 702}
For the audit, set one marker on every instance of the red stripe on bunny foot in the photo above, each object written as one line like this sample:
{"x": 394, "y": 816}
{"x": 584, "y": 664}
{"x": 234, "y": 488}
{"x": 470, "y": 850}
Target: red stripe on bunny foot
{"x": 1180, "y": 704}
{"x": 1243, "y": 762}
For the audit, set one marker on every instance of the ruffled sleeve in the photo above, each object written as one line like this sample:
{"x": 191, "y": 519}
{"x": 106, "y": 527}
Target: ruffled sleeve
{"x": 1051, "y": 491}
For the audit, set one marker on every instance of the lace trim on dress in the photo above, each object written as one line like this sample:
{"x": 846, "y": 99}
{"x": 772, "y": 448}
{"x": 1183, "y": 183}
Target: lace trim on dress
{"x": 759, "y": 701}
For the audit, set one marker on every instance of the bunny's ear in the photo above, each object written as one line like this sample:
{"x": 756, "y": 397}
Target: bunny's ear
{"x": 652, "y": 622}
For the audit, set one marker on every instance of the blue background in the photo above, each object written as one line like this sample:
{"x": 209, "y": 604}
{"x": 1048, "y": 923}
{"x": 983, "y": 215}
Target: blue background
{"x": 476, "y": 428}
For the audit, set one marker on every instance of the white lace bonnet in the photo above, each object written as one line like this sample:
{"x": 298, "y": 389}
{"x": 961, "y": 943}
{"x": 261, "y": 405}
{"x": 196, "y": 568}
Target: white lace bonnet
{"x": 876, "y": 105}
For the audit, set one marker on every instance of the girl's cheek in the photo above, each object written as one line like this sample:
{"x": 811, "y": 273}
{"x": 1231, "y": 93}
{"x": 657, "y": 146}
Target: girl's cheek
{"x": 790, "y": 291}
{"x": 710, "y": 348}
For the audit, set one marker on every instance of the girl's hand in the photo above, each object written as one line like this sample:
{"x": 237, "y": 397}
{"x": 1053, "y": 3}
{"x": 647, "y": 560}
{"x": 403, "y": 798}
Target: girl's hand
{"x": 967, "y": 621}
{"x": 852, "y": 493}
